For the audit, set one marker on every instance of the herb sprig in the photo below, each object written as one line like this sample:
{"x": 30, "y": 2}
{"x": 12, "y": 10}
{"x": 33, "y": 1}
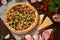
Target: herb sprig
{"x": 53, "y": 5}
{"x": 1, "y": 37}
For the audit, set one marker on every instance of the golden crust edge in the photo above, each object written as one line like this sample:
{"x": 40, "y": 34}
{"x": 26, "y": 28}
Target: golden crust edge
{"x": 23, "y": 31}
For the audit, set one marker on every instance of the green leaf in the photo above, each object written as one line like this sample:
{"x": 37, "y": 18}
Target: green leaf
{"x": 1, "y": 37}
{"x": 54, "y": 4}
{"x": 51, "y": 6}
{"x": 8, "y": 0}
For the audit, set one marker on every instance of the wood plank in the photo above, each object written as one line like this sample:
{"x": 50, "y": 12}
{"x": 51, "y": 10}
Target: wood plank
{"x": 4, "y": 30}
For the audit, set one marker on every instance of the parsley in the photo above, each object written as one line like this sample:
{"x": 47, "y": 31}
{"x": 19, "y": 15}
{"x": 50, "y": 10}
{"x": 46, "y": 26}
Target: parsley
{"x": 57, "y": 3}
{"x": 53, "y": 5}
{"x": 1, "y": 37}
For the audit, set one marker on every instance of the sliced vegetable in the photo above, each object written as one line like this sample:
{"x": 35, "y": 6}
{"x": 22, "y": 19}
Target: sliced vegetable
{"x": 25, "y": 26}
{"x": 21, "y": 15}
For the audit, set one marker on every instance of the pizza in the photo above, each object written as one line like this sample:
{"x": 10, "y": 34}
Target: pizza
{"x": 21, "y": 18}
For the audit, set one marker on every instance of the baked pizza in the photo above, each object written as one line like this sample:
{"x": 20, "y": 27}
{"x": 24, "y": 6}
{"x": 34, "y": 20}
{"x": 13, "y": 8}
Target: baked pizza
{"x": 21, "y": 18}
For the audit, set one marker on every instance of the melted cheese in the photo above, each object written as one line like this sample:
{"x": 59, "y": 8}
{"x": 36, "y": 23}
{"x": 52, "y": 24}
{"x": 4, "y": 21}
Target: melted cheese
{"x": 47, "y": 22}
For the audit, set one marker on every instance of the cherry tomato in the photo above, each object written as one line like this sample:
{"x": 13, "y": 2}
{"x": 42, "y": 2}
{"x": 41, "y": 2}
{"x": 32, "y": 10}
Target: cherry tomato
{"x": 25, "y": 26}
{"x": 42, "y": 7}
{"x": 45, "y": 9}
{"x": 19, "y": 28}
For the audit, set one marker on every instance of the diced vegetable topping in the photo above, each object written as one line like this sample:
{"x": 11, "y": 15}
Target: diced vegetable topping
{"x": 21, "y": 17}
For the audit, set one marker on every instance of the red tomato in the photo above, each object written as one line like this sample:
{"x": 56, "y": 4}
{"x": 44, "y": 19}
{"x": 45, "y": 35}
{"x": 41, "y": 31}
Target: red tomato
{"x": 42, "y": 7}
{"x": 46, "y": 6}
{"x": 25, "y": 26}
{"x": 45, "y": 9}
{"x": 19, "y": 28}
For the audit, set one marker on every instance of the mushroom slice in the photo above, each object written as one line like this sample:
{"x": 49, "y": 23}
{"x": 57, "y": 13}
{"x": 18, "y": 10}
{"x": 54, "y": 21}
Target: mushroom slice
{"x": 56, "y": 17}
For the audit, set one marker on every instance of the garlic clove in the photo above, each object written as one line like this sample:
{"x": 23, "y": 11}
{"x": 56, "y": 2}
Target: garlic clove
{"x": 39, "y": 0}
{"x": 7, "y": 36}
{"x": 4, "y": 2}
{"x": 33, "y": 1}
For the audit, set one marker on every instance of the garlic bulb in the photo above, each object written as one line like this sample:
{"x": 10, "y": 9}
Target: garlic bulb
{"x": 4, "y": 2}
{"x": 39, "y": 0}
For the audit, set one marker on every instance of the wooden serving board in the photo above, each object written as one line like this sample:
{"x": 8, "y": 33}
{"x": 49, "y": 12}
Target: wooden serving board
{"x": 55, "y": 24}
{"x": 4, "y": 30}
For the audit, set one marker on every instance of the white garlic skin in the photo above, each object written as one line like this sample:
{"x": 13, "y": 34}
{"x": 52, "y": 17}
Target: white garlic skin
{"x": 4, "y": 2}
{"x": 39, "y": 0}
{"x": 7, "y": 36}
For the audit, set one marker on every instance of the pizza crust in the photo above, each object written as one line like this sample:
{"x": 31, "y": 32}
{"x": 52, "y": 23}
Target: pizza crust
{"x": 26, "y": 30}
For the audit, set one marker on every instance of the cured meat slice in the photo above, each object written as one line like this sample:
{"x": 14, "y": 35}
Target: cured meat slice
{"x": 41, "y": 38}
{"x": 35, "y": 37}
{"x": 28, "y": 37}
{"x": 48, "y": 34}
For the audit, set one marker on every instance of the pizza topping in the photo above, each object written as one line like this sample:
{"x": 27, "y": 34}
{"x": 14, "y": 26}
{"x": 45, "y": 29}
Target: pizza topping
{"x": 21, "y": 17}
